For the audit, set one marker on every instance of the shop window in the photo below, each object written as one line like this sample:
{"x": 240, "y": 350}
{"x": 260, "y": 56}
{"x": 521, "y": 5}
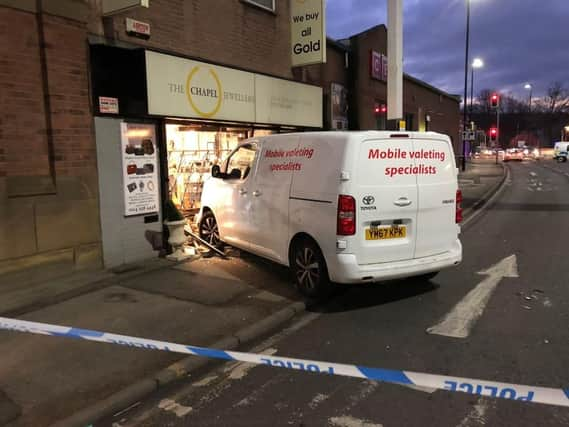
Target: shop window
{"x": 242, "y": 161}
{"x": 192, "y": 151}
{"x": 269, "y": 5}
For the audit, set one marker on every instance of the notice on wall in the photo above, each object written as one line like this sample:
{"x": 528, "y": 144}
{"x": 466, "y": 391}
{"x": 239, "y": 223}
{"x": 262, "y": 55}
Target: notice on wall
{"x": 308, "y": 32}
{"x": 140, "y": 168}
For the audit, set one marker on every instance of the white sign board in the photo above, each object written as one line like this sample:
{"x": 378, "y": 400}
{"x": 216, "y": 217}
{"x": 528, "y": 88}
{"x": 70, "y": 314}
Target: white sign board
{"x": 308, "y": 32}
{"x": 137, "y": 27}
{"x": 186, "y": 88}
{"x": 179, "y": 87}
{"x": 287, "y": 103}
{"x": 108, "y": 105}
{"x": 140, "y": 169}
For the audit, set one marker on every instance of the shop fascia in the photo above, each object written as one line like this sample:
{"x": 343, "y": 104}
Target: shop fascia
{"x": 179, "y": 87}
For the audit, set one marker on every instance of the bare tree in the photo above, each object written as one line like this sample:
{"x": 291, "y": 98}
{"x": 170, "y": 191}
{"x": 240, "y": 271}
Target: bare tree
{"x": 556, "y": 101}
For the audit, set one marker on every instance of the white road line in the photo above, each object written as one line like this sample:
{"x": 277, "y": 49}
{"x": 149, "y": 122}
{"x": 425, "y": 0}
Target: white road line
{"x": 349, "y": 421}
{"x": 461, "y": 319}
{"x": 170, "y": 405}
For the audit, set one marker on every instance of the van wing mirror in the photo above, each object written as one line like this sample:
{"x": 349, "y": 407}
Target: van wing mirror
{"x": 216, "y": 171}
{"x": 234, "y": 174}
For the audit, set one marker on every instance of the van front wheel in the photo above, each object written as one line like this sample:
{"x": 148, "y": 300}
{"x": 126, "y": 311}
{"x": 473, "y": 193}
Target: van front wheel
{"x": 309, "y": 268}
{"x": 209, "y": 230}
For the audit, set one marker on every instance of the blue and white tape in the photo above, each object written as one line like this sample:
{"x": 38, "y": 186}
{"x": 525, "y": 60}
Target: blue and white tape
{"x": 525, "y": 393}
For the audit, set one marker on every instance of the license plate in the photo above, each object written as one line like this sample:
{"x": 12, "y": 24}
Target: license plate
{"x": 394, "y": 232}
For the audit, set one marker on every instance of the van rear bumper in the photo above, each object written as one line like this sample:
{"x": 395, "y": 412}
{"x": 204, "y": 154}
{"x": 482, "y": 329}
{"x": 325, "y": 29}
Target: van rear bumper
{"x": 345, "y": 269}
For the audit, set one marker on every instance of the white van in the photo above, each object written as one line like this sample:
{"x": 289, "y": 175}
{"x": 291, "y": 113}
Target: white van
{"x": 350, "y": 207}
{"x": 560, "y": 151}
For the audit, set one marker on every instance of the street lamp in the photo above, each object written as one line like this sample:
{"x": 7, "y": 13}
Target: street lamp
{"x": 477, "y": 63}
{"x": 466, "y": 61}
{"x": 529, "y": 87}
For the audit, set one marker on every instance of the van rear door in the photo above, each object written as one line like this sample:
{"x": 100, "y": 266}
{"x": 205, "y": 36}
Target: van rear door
{"x": 386, "y": 201}
{"x": 436, "y": 222}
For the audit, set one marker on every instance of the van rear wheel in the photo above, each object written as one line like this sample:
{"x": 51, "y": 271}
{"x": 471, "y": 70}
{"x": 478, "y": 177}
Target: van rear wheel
{"x": 309, "y": 268}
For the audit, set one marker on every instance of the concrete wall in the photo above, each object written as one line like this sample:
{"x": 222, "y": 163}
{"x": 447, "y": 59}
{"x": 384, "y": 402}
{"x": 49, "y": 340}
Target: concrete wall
{"x": 123, "y": 238}
{"x": 48, "y": 185}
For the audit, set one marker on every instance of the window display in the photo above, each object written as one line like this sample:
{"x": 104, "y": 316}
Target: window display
{"x": 192, "y": 151}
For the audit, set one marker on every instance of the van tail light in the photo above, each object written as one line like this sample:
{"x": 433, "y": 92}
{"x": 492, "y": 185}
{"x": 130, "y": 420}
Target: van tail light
{"x": 458, "y": 206}
{"x": 346, "y": 216}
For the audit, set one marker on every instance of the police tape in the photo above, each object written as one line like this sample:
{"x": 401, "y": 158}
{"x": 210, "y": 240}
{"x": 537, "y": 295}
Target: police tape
{"x": 525, "y": 393}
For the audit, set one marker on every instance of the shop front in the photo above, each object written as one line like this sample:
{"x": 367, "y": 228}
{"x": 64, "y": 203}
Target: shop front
{"x": 193, "y": 114}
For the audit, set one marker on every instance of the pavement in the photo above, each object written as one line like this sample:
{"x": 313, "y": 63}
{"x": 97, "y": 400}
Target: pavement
{"x": 213, "y": 302}
{"x": 517, "y": 334}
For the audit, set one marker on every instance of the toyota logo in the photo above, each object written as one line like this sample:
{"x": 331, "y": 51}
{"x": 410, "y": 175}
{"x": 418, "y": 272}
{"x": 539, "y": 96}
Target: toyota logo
{"x": 368, "y": 200}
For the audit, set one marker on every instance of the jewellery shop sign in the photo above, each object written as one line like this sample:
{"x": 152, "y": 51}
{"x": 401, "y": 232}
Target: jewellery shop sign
{"x": 179, "y": 87}
{"x": 139, "y": 164}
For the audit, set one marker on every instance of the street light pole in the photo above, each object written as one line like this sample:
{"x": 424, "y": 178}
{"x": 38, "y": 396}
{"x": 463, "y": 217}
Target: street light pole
{"x": 466, "y": 61}
{"x": 476, "y": 63}
{"x": 530, "y": 88}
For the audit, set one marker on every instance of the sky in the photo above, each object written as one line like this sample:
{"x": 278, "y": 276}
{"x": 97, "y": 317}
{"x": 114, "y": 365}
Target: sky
{"x": 520, "y": 41}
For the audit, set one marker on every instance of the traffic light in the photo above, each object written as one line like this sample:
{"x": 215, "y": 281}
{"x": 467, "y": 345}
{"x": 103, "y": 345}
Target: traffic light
{"x": 493, "y": 134}
{"x": 494, "y": 100}
{"x": 380, "y": 109}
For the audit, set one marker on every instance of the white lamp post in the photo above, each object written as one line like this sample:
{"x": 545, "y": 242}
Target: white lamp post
{"x": 529, "y": 87}
{"x": 477, "y": 63}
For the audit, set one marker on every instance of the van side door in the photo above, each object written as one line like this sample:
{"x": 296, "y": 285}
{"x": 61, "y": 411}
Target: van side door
{"x": 437, "y": 230}
{"x": 270, "y": 191}
{"x": 234, "y": 216}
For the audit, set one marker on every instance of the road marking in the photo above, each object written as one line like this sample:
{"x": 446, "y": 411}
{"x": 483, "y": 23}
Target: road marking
{"x": 205, "y": 381}
{"x": 532, "y": 174}
{"x": 317, "y": 400}
{"x": 170, "y": 405}
{"x": 461, "y": 319}
{"x": 477, "y": 416}
{"x": 349, "y": 421}
{"x": 240, "y": 370}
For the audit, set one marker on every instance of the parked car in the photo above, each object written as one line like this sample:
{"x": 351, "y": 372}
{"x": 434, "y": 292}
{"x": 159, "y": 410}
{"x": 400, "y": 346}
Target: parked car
{"x": 349, "y": 207}
{"x": 560, "y": 150}
{"x": 514, "y": 154}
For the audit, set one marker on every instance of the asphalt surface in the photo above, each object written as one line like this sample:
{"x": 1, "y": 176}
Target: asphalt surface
{"x": 521, "y": 336}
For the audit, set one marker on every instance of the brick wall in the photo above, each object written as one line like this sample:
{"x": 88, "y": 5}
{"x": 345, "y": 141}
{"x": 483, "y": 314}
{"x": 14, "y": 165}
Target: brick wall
{"x": 230, "y": 32}
{"x": 66, "y": 43}
{"x": 49, "y": 198}
{"x": 22, "y": 116}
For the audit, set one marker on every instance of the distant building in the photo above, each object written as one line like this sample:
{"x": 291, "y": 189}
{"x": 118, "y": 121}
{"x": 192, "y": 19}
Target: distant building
{"x": 358, "y": 65}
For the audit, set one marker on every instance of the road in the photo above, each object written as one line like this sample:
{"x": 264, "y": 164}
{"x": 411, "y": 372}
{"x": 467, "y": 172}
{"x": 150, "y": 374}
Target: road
{"x": 519, "y": 334}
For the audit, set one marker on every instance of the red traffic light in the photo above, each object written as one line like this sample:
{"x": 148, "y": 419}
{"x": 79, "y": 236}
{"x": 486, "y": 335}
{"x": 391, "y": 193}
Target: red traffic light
{"x": 493, "y": 134}
{"x": 380, "y": 109}
{"x": 494, "y": 100}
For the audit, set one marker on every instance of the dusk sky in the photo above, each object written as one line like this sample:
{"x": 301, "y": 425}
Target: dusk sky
{"x": 519, "y": 40}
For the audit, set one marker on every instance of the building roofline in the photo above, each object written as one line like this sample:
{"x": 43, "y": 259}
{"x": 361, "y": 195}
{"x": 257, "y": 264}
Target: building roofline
{"x": 337, "y": 44}
{"x": 426, "y": 85}
{"x": 367, "y": 30}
